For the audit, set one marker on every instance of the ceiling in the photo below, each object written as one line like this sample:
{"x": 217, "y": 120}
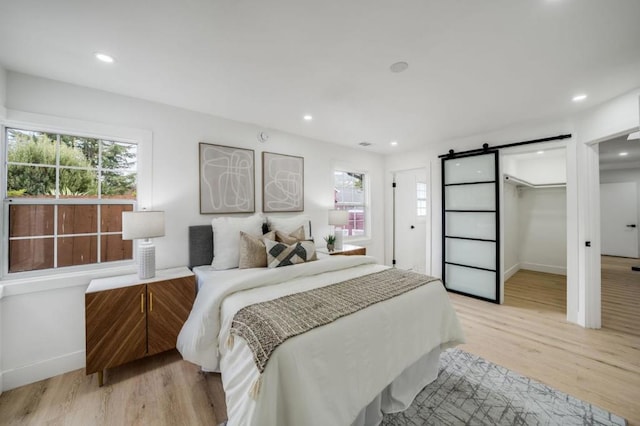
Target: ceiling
{"x": 610, "y": 150}
{"x": 474, "y": 66}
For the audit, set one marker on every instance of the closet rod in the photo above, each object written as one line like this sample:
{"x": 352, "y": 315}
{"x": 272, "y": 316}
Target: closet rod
{"x": 486, "y": 147}
{"x": 523, "y": 182}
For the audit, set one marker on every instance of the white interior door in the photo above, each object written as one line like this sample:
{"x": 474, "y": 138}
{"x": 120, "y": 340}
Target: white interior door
{"x": 619, "y": 219}
{"x": 412, "y": 210}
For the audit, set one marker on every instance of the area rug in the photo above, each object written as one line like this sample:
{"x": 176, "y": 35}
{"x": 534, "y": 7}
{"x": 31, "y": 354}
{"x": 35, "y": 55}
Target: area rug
{"x": 472, "y": 391}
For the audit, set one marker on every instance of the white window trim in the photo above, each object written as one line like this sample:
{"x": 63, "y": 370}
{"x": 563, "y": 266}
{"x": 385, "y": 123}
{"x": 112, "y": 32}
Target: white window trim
{"x": 55, "y": 278}
{"x": 342, "y": 167}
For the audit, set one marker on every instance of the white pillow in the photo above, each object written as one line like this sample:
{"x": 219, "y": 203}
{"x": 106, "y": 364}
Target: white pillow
{"x": 226, "y": 238}
{"x": 290, "y": 223}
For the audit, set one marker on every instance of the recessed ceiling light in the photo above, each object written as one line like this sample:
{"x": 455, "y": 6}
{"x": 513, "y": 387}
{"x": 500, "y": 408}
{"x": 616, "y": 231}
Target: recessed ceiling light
{"x": 394, "y": 143}
{"x": 633, "y": 136}
{"x": 540, "y": 152}
{"x": 399, "y": 66}
{"x": 580, "y": 97}
{"x": 623, "y": 154}
{"x": 104, "y": 57}
{"x": 308, "y": 117}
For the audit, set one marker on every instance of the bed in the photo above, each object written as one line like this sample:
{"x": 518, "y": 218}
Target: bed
{"x": 347, "y": 372}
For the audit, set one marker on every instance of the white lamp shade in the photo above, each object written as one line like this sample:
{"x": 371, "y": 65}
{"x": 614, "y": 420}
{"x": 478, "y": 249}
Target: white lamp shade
{"x": 142, "y": 224}
{"x": 338, "y": 217}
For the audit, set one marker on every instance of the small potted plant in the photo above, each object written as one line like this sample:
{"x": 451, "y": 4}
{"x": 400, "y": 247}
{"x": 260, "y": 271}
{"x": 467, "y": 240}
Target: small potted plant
{"x": 331, "y": 241}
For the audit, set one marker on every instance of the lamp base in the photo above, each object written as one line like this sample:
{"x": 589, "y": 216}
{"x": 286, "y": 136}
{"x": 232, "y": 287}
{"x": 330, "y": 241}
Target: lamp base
{"x": 338, "y": 234}
{"x": 146, "y": 260}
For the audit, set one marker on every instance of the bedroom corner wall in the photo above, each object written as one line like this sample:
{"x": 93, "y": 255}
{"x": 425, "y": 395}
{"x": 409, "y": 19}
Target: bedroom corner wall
{"x": 43, "y": 329}
{"x": 542, "y": 224}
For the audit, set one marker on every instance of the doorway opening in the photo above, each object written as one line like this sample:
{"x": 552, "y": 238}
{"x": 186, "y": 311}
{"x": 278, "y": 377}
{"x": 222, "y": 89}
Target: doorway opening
{"x": 619, "y": 164}
{"x": 535, "y": 229}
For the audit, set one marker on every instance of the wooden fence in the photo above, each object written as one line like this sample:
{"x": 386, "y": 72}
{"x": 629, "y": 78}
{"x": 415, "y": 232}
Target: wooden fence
{"x": 35, "y": 225}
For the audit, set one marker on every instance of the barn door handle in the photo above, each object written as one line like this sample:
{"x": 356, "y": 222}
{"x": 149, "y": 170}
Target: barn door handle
{"x": 631, "y": 226}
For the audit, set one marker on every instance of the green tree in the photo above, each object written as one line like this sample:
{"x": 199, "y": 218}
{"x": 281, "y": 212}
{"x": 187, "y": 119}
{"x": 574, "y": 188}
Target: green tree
{"x": 118, "y": 161}
{"x": 35, "y": 149}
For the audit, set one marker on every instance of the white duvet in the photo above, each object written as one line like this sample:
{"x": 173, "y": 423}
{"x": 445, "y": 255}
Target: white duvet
{"x": 329, "y": 374}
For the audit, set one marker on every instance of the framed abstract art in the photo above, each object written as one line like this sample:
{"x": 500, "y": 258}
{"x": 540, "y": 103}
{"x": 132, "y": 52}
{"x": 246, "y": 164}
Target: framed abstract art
{"x": 227, "y": 183}
{"x": 282, "y": 183}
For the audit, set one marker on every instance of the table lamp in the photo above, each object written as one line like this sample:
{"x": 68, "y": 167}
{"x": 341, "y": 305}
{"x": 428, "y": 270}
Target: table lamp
{"x": 144, "y": 225}
{"x": 338, "y": 218}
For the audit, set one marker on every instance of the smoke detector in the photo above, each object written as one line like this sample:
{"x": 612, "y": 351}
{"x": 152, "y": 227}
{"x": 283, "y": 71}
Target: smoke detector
{"x": 399, "y": 66}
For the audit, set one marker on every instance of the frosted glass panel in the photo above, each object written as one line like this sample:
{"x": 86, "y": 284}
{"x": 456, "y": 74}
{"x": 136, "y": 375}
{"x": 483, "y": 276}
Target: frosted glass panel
{"x": 481, "y": 254}
{"x": 471, "y": 225}
{"x": 471, "y": 197}
{"x": 470, "y": 169}
{"x": 471, "y": 281}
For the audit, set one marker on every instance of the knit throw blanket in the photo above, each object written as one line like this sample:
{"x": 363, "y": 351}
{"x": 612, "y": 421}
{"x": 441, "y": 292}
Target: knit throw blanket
{"x": 266, "y": 325}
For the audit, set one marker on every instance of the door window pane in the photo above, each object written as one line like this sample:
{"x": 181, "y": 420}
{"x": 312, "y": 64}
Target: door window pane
{"x": 479, "y": 168}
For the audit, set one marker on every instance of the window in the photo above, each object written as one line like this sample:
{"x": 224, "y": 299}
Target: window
{"x": 350, "y": 194}
{"x": 64, "y": 199}
{"x": 421, "y": 199}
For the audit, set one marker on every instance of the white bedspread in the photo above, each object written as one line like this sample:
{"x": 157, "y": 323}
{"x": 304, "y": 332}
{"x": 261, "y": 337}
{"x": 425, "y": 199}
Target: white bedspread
{"x": 324, "y": 376}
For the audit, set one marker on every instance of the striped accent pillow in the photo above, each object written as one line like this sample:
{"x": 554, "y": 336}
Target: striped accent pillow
{"x": 280, "y": 254}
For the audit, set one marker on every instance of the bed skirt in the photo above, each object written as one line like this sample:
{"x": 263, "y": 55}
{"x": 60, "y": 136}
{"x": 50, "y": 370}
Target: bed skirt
{"x": 399, "y": 395}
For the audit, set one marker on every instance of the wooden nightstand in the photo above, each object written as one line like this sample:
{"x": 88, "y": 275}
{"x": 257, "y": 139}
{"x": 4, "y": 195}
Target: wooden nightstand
{"x": 347, "y": 250}
{"x": 127, "y": 318}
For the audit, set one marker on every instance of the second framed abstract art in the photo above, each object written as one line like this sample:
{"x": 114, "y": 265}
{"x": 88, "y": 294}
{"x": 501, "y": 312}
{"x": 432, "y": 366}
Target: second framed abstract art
{"x": 282, "y": 183}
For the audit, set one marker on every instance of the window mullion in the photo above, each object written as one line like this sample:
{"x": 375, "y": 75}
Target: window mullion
{"x": 99, "y": 171}
{"x": 55, "y": 207}
{"x": 55, "y": 236}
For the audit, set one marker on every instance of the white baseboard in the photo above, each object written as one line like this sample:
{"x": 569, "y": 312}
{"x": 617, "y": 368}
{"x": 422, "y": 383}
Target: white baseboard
{"x": 509, "y": 272}
{"x": 549, "y": 269}
{"x": 21, "y": 376}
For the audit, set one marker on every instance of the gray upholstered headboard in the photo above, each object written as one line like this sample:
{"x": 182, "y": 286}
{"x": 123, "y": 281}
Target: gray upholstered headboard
{"x": 200, "y": 245}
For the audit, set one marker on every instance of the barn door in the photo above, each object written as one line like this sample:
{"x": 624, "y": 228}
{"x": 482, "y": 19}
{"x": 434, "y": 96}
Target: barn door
{"x": 471, "y": 225}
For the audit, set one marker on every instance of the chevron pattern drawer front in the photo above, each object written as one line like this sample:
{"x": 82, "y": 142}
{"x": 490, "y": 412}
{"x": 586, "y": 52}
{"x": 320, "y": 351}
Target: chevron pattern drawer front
{"x": 127, "y": 318}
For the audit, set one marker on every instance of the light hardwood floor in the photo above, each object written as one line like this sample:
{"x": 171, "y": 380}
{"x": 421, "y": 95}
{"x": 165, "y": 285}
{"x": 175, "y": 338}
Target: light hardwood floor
{"x": 527, "y": 334}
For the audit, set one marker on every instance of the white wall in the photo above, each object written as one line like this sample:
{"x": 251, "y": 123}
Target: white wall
{"x": 428, "y": 157}
{"x": 543, "y": 169}
{"x": 42, "y": 327}
{"x": 623, "y": 175}
{"x": 535, "y": 231}
{"x": 3, "y": 91}
{"x": 542, "y": 227}
{"x": 613, "y": 118}
{"x": 610, "y": 119}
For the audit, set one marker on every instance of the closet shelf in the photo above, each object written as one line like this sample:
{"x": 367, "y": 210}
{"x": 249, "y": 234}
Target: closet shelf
{"x": 521, "y": 183}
